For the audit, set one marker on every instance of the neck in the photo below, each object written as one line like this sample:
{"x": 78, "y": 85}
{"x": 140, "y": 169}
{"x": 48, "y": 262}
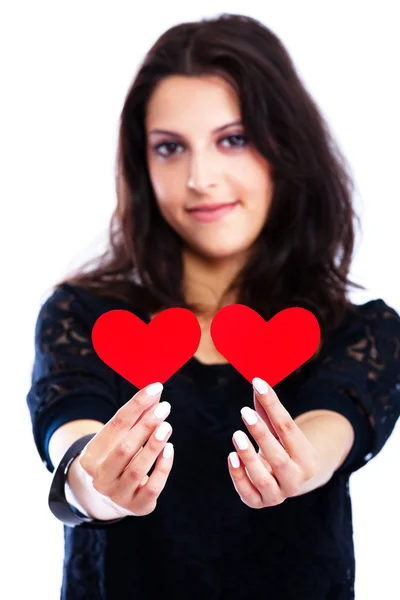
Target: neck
{"x": 206, "y": 282}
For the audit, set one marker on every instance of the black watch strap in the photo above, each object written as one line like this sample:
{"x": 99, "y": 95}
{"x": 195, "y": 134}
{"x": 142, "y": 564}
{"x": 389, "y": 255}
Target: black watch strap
{"x": 69, "y": 515}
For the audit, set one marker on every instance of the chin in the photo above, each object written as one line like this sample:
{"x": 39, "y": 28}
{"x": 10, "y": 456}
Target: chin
{"x": 222, "y": 252}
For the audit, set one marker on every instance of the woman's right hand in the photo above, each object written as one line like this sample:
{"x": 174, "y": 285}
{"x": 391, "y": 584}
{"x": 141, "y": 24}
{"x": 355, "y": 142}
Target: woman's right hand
{"x": 118, "y": 458}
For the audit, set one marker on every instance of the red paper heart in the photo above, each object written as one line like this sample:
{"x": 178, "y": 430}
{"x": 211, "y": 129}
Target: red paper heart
{"x": 142, "y": 352}
{"x": 270, "y": 349}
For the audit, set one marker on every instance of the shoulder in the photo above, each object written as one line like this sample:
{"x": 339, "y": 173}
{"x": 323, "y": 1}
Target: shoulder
{"x": 364, "y": 352}
{"x": 370, "y": 327}
{"x": 365, "y": 347}
{"x": 378, "y": 316}
{"x": 378, "y": 343}
{"x": 67, "y": 300}
{"x": 379, "y": 311}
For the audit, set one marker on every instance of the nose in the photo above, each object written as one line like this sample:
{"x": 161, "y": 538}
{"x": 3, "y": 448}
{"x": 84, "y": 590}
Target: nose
{"x": 202, "y": 174}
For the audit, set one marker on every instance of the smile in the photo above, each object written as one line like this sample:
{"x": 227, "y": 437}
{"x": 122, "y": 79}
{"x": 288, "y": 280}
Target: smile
{"x": 206, "y": 216}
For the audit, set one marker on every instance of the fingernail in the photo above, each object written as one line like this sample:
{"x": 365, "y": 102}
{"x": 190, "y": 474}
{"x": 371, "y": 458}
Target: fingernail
{"x": 163, "y": 431}
{"x": 249, "y": 415}
{"x": 154, "y": 388}
{"x": 162, "y": 409}
{"x": 260, "y": 385}
{"x": 168, "y": 449}
{"x": 235, "y": 462}
{"x": 240, "y": 439}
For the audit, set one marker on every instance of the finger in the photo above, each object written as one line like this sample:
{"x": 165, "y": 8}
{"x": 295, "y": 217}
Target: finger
{"x": 130, "y": 448}
{"x": 270, "y": 448}
{"x": 139, "y": 466}
{"x": 144, "y": 500}
{"x": 244, "y": 487}
{"x": 123, "y": 420}
{"x": 264, "y": 482}
{"x": 286, "y": 472}
{"x": 150, "y": 490}
{"x": 134, "y": 478}
{"x": 261, "y": 411}
{"x": 289, "y": 433}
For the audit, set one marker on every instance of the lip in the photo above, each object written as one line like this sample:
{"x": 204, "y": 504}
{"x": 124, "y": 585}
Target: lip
{"x": 207, "y": 216}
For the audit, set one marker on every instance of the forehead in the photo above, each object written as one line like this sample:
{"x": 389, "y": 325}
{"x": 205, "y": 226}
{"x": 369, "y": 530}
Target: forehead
{"x": 177, "y": 102}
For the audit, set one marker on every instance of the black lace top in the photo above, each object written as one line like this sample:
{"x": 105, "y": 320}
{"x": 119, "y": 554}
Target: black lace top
{"x": 201, "y": 541}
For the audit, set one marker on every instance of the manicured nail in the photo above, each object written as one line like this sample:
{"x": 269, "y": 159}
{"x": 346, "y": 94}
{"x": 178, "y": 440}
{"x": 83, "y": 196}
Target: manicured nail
{"x": 162, "y": 409}
{"x": 249, "y": 415}
{"x": 163, "y": 431}
{"x": 235, "y": 462}
{"x": 260, "y": 385}
{"x": 240, "y": 439}
{"x": 168, "y": 450}
{"x": 154, "y": 388}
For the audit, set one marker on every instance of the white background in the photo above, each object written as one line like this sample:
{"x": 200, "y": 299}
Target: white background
{"x": 66, "y": 68}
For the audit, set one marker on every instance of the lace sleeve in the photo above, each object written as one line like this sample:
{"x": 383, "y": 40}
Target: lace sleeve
{"x": 358, "y": 375}
{"x": 69, "y": 381}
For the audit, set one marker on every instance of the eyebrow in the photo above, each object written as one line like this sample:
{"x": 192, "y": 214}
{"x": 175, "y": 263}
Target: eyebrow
{"x": 165, "y": 131}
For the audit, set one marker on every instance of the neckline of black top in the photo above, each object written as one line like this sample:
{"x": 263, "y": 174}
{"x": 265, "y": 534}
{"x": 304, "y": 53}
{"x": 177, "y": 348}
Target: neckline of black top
{"x": 213, "y": 373}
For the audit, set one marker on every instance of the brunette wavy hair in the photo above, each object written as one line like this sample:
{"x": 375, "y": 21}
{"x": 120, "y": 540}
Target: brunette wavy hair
{"x": 303, "y": 254}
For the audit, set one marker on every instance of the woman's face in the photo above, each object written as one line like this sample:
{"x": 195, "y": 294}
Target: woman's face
{"x": 222, "y": 167}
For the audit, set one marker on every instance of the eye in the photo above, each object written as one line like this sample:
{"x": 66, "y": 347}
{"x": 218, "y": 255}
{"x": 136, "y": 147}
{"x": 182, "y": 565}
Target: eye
{"x": 236, "y": 136}
{"x": 165, "y": 143}
{"x": 168, "y": 143}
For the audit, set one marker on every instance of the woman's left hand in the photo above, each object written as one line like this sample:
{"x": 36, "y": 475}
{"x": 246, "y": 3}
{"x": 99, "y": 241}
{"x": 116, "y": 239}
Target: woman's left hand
{"x": 285, "y": 461}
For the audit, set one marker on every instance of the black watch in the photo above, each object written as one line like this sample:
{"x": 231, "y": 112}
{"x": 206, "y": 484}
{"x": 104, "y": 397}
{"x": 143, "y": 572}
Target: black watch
{"x": 66, "y": 513}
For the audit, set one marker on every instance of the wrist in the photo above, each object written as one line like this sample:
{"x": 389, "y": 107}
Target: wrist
{"x": 80, "y": 492}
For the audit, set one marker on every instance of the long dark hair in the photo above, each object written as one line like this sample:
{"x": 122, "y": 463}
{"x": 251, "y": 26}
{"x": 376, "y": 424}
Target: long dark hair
{"x": 303, "y": 254}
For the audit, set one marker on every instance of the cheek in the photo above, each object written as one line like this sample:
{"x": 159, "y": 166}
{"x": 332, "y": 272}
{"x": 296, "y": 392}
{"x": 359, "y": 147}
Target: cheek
{"x": 253, "y": 184}
{"x": 161, "y": 180}
{"x": 166, "y": 191}
{"x": 163, "y": 190}
{"x": 171, "y": 207}
{"x": 160, "y": 188}
{"x": 263, "y": 195}
{"x": 259, "y": 204}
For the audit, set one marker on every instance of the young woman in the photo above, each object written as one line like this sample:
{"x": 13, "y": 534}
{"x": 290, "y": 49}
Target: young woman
{"x": 217, "y": 115}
